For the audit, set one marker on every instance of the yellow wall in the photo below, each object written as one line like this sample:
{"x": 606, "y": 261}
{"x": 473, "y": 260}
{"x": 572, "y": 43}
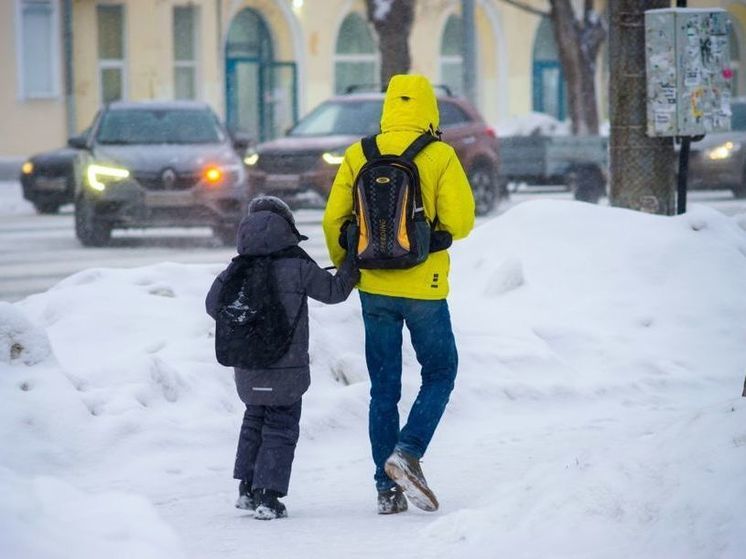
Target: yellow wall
{"x": 148, "y": 52}
{"x": 319, "y": 42}
{"x": 26, "y": 126}
{"x": 306, "y": 35}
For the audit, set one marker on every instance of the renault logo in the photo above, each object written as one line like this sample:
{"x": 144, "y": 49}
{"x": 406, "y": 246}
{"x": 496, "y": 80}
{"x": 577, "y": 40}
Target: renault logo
{"x": 383, "y": 180}
{"x": 168, "y": 178}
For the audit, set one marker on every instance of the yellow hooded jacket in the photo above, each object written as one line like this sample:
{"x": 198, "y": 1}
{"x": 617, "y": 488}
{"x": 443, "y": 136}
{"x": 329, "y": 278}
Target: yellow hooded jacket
{"x": 409, "y": 109}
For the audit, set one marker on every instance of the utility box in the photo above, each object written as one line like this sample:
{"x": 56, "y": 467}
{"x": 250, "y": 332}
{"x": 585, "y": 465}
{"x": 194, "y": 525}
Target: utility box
{"x": 688, "y": 71}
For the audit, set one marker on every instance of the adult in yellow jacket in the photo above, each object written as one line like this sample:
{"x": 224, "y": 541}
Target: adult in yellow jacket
{"x": 415, "y": 296}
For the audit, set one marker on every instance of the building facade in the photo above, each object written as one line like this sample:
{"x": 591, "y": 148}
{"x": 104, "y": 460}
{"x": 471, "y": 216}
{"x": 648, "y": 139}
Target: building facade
{"x": 262, "y": 63}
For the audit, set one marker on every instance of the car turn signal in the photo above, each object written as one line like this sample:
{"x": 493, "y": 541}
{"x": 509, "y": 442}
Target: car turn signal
{"x": 213, "y": 175}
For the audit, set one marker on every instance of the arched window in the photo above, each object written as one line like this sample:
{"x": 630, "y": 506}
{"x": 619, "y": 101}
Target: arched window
{"x": 549, "y": 87}
{"x": 260, "y": 91}
{"x": 356, "y": 54}
{"x": 451, "y": 55}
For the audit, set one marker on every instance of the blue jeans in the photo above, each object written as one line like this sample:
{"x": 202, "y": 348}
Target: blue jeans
{"x": 429, "y": 324}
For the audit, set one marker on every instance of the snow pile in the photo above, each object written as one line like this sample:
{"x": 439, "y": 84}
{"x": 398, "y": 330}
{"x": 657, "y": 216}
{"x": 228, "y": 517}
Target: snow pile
{"x": 596, "y": 413}
{"x": 613, "y": 345}
{"x": 19, "y": 339}
{"x": 48, "y": 519}
{"x": 608, "y": 295}
{"x": 533, "y": 124}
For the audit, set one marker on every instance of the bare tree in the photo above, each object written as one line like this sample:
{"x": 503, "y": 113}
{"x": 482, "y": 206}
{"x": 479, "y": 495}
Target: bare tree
{"x": 393, "y": 21}
{"x": 579, "y": 40}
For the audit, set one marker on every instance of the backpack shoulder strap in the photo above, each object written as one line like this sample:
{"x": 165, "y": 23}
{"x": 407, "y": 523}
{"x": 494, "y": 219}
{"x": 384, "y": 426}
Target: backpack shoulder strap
{"x": 291, "y": 252}
{"x": 370, "y": 148}
{"x": 417, "y": 146}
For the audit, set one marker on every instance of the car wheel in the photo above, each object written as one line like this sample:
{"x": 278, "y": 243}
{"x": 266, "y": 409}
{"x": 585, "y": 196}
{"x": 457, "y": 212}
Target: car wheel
{"x": 739, "y": 190}
{"x": 226, "y": 233}
{"x": 587, "y": 184}
{"x": 90, "y": 230}
{"x": 485, "y": 189}
{"x": 46, "y": 207}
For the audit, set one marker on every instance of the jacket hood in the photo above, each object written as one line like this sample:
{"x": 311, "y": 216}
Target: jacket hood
{"x": 264, "y": 232}
{"x": 410, "y": 104}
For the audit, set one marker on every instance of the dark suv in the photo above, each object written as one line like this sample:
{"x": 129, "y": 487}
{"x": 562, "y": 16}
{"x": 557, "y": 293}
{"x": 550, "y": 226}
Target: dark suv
{"x": 306, "y": 160}
{"x": 155, "y": 164}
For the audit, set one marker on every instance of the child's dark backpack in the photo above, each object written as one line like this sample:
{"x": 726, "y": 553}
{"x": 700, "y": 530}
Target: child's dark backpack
{"x": 252, "y": 329}
{"x": 390, "y": 230}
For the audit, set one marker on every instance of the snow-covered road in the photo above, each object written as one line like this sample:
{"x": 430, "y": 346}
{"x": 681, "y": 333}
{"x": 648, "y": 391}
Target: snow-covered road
{"x": 37, "y": 251}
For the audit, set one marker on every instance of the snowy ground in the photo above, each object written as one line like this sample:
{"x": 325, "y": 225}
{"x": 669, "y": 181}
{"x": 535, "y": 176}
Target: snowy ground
{"x": 597, "y": 412}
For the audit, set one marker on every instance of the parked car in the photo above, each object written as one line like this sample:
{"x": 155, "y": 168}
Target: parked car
{"x": 307, "y": 158}
{"x": 157, "y": 164}
{"x": 719, "y": 160}
{"x": 578, "y": 162}
{"x": 48, "y": 179}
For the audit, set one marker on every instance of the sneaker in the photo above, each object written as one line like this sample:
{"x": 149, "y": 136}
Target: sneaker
{"x": 404, "y": 469}
{"x": 245, "y": 498}
{"x": 391, "y": 501}
{"x": 268, "y": 506}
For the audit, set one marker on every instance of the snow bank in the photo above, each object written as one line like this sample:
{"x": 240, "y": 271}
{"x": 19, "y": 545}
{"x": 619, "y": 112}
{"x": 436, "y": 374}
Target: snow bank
{"x": 19, "y": 339}
{"x": 533, "y": 124}
{"x": 597, "y": 409}
{"x": 605, "y": 297}
{"x": 48, "y": 519}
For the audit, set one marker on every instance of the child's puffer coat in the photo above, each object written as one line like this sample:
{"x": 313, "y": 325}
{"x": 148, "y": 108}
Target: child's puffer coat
{"x": 263, "y": 233}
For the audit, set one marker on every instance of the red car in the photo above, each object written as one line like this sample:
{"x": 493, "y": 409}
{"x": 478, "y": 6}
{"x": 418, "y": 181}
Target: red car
{"x": 302, "y": 165}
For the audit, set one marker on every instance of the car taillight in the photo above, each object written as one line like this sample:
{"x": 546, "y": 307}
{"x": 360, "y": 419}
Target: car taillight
{"x": 213, "y": 175}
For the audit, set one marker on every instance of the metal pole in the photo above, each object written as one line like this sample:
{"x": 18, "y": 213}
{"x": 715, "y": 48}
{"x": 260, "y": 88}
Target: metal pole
{"x": 683, "y": 158}
{"x": 469, "y": 50}
{"x": 67, "y": 42}
{"x": 683, "y": 172}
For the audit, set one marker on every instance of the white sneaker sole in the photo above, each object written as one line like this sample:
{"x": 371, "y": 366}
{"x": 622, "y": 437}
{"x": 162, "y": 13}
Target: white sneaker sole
{"x": 413, "y": 488}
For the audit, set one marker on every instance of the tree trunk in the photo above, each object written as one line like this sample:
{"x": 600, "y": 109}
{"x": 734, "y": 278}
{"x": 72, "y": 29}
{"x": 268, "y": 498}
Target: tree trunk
{"x": 578, "y": 44}
{"x": 642, "y": 168}
{"x": 393, "y": 23}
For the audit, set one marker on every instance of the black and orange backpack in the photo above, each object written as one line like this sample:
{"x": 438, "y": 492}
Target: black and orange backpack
{"x": 390, "y": 229}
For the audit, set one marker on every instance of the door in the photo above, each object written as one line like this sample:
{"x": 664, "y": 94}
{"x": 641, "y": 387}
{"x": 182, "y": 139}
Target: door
{"x": 260, "y": 93}
{"x": 549, "y": 89}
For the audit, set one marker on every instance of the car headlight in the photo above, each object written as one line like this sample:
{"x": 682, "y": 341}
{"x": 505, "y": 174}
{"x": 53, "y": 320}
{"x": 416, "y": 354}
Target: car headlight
{"x": 27, "y": 168}
{"x": 723, "y": 151}
{"x": 251, "y": 158}
{"x": 333, "y": 157}
{"x": 100, "y": 175}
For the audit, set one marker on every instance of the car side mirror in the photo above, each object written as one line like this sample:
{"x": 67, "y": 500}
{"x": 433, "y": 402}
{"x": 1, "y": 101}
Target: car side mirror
{"x": 78, "y": 142}
{"x": 241, "y": 141}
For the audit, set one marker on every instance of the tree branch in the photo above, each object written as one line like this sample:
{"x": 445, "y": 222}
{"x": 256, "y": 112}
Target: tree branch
{"x": 526, "y": 8}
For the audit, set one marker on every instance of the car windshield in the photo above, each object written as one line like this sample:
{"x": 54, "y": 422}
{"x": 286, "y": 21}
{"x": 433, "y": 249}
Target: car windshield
{"x": 159, "y": 126}
{"x": 738, "y": 120}
{"x": 349, "y": 118}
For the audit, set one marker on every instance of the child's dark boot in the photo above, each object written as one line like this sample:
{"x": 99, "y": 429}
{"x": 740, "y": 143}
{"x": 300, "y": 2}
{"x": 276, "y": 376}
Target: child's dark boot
{"x": 268, "y": 506}
{"x": 245, "y": 497}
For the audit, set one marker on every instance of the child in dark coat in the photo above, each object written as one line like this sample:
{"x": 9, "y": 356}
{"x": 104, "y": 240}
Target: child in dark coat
{"x": 272, "y": 395}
